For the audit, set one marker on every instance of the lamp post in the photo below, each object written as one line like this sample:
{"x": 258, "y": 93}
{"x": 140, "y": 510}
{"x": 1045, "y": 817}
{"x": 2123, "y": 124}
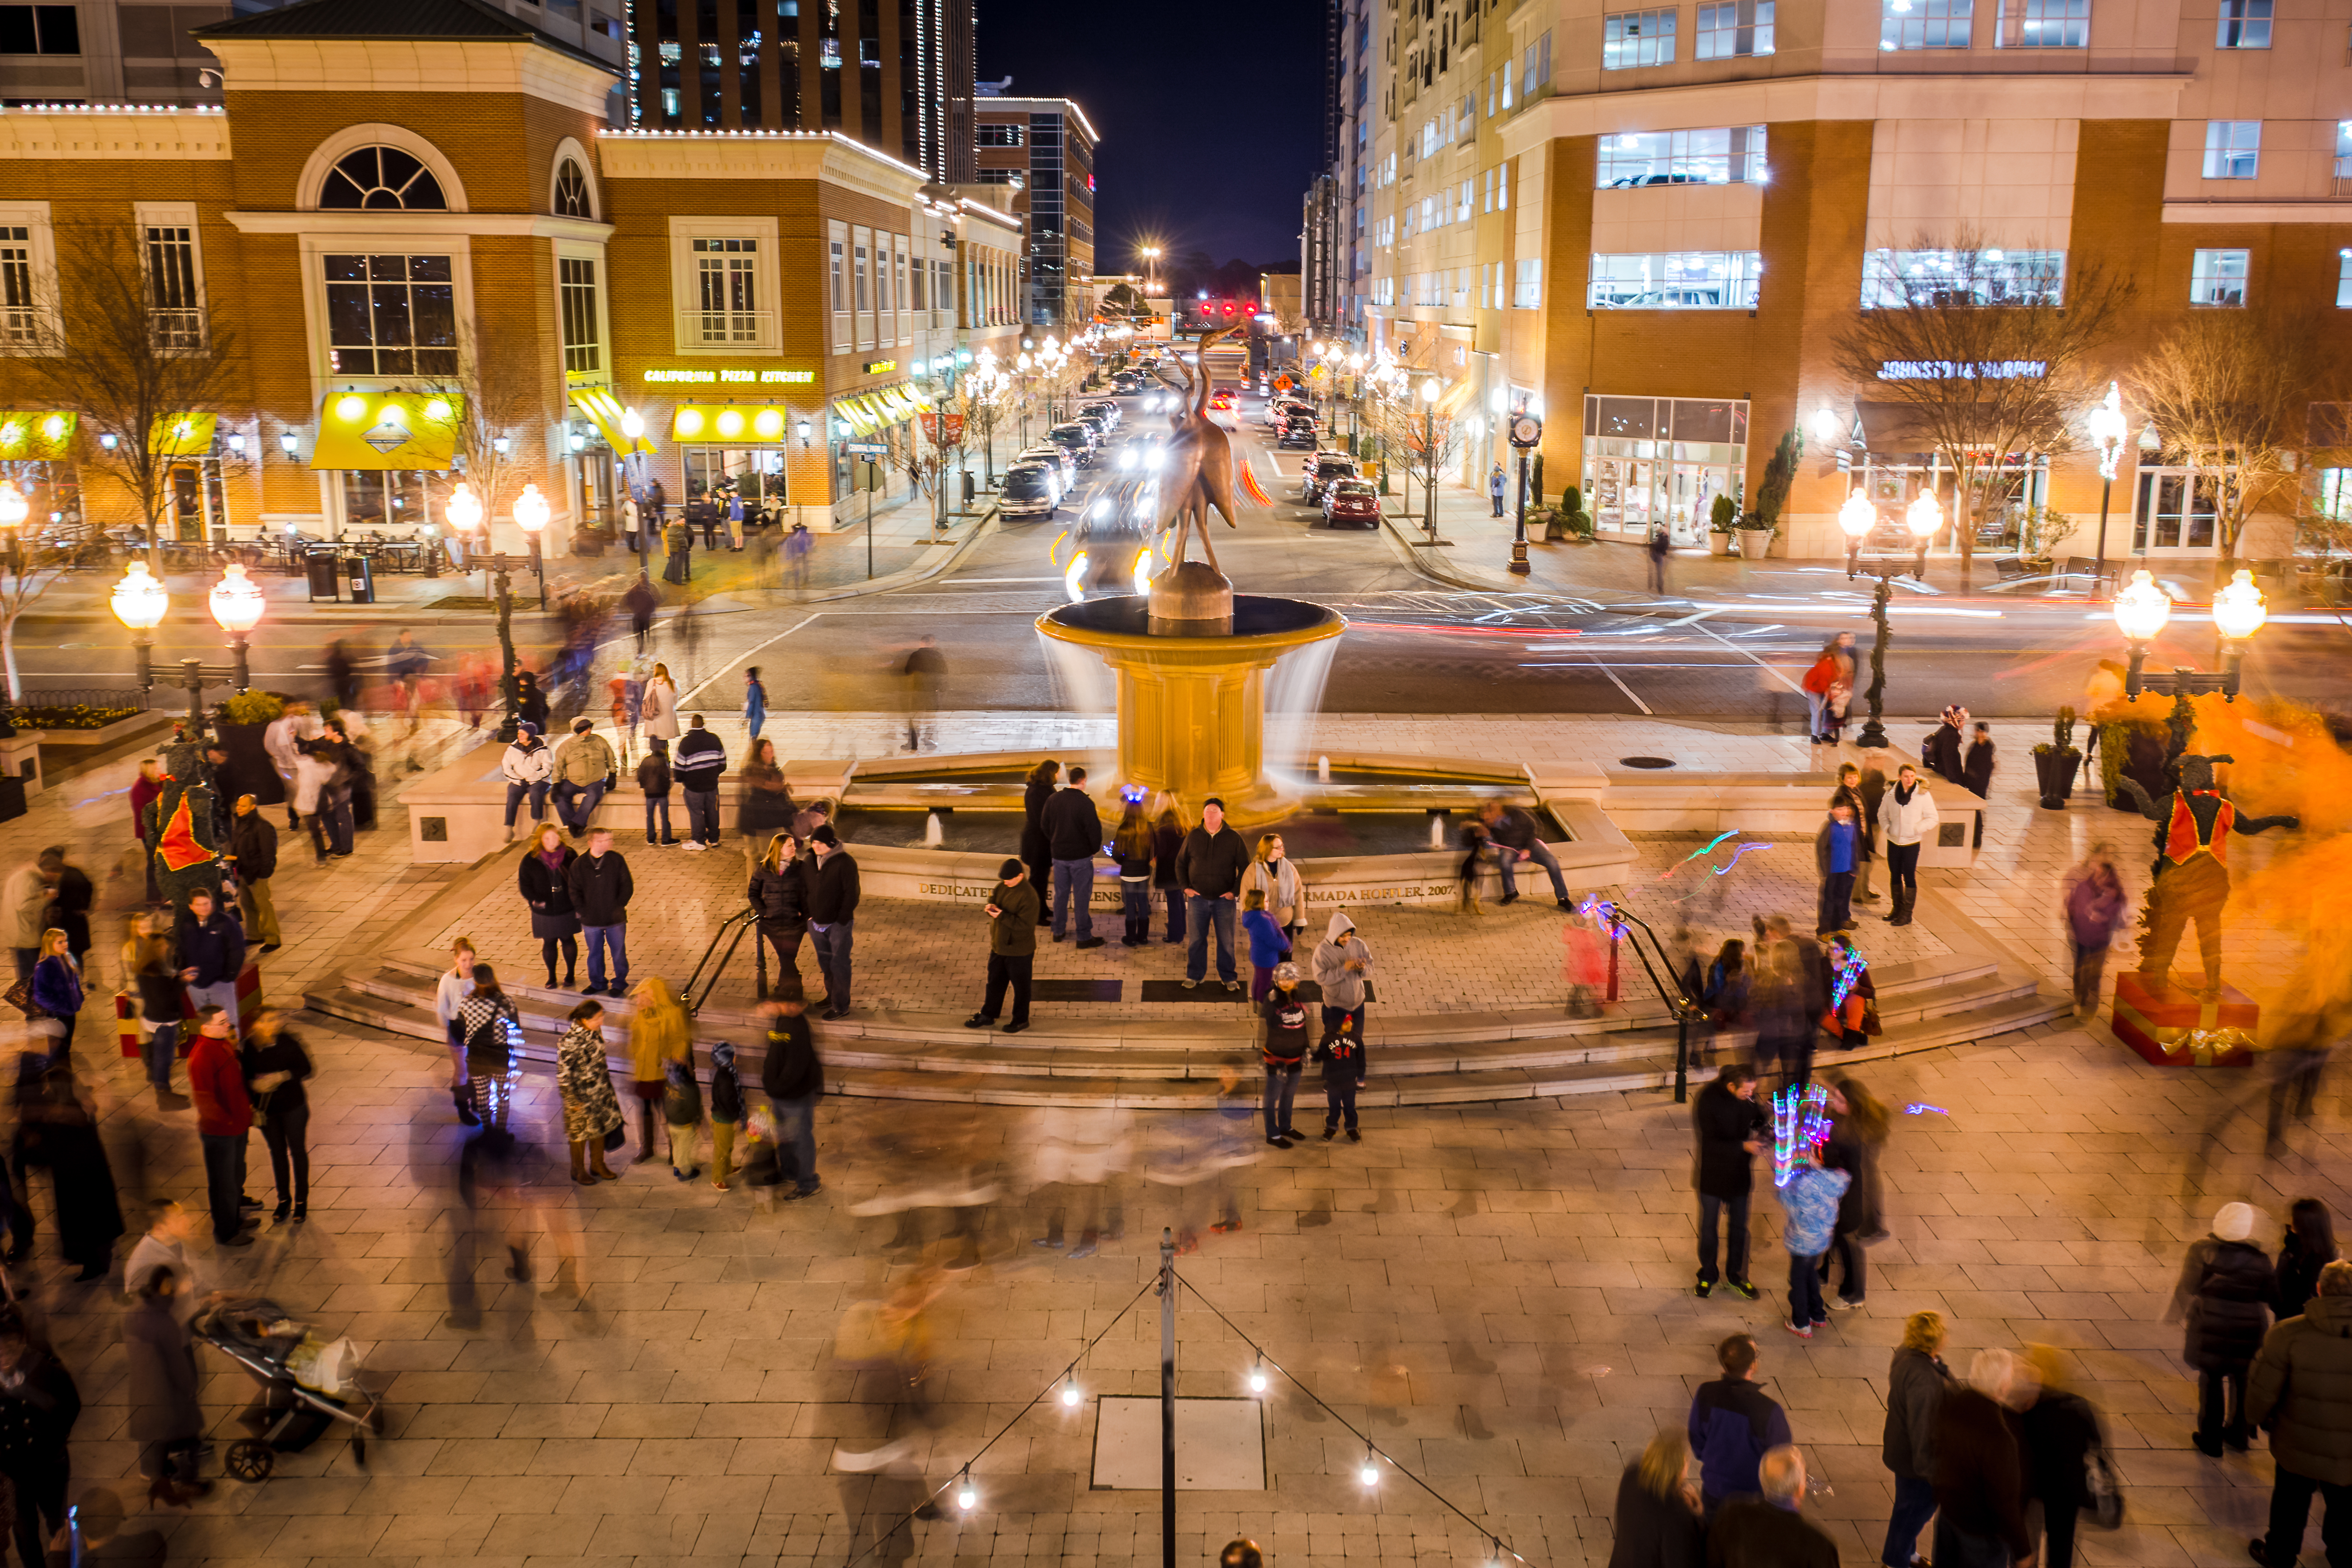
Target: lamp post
{"x": 2108, "y": 427}
{"x": 1856, "y": 518}
{"x": 1430, "y": 391}
{"x": 237, "y": 603}
{"x": 2141, "y": 610}
{"x": 531, "y": 514}
{"x": 139, "y": 602}
{"x": 14, "y": 509}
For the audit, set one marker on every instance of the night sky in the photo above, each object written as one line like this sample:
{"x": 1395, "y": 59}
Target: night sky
{"x": 1210, "y": 114}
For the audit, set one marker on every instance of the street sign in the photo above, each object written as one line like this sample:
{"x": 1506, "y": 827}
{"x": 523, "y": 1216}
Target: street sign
{"x": 864, "y": 449}
{"x": 1526, "y": 431}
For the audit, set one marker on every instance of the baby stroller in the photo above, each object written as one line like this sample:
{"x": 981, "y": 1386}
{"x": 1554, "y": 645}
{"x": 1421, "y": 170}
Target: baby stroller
{"x": 308, "y": 1384}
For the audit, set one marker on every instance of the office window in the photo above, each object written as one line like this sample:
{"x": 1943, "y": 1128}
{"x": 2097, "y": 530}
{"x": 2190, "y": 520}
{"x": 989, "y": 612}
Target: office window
{"x": 1732, "y": 154}
{"x": 1535, "y": 67}
{"x": 2218, "y": 277}
{"x": 174, "y": 313}
{"x": 727, "y": 293}
{"x": 21, "y": 316}
{"x": 914, "y": 284}
{"x": 2233, "y": 148}
{"x": 2344, "y": 149}
{"x": 2244, "y": 24}
{"x": 997, "y": 136}
{"x": 39, "y": 30}
{"x": 391, "y": 315}
{"x": 1527, "y": 285}
{"x": 2043, "y": 25}
{"x": 1924, "y": 24}
{"x": 576, "y": 279}
{"x": 1892, "y": 278}
{"x": 1735, "y": 29}
{"x": 1462, "y": 204}
{"x": 2344, "y": 282}
{"x": 1631, "y": 38}
{"x": 1676, "y": 280}
{"x": 1502, "y": 187}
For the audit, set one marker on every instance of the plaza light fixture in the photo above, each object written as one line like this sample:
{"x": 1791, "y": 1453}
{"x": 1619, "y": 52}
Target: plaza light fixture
{"x": 2108, "y": 430}
{"x": 139, "y": 601}
{"x": 1070, "y": 1395}
{"x": 966, "y": 1496}
{"x": 463, "y": 509}
{"x": 1825, "y": 425}
{"x": 1370, "y": 1473}
{"x": 2141, "y": 610}
{"x": 1257, "y": 1378}
{"x": 2238, "y": 610}
{"x": 632, "y": 423}
{"x": 1925, "y": 515}
{"x": 531, "y": 509}
{"x": 14, "y": 507}
{"x": 1855, "y": 519}
{"x": 237, "y": 601}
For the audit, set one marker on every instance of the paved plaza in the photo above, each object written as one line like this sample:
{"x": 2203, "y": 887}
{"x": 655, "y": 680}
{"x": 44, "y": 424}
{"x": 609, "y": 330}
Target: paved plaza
{"x": 1497, "y": 1296}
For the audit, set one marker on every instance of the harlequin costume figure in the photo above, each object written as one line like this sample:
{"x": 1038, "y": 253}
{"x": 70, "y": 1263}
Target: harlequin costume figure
{"x": 2192, "y": 874}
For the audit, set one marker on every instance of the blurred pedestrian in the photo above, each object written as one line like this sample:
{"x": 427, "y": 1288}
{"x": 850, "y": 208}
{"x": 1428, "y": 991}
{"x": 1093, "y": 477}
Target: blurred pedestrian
{"x": 1657, "y": 1519}
{"x": 2297, "y": 1395}
{"x": 282, "y": 740}
{"x": 1976, "y": 770}
{"x": 1275, "y": 874}
{"x": 926, "y": 673}
{"x": 833, "y": 917}
{"x": 1210, "y": 867}
{"x": 2224, "y": 1294}
{"x": 1906, "y": 816}
{"x": 144, "y": 791}
{"x": 1037, "y": 791}
{"x": 1012, "y": 948}
{"x": 1724, "y": 990}
{"x": 1514, "y": 839}
{"x": 640, "y": 601}
{"x": 659, "y": 1034}
{"x": 1769, "y": 1530}
{"x": 224, "y": 1119}
{"x": 1343, "y": 970}
{"x": 1282, "y": 1050}
{"x": 659, "y": 706}
{"x": 601, "y": 890}
{"x": 253, "y": 849}
{"x": 2058, "y": 1435}
{"x": 163, "y": 1009}
{"x": 1776, "y": 995}
{"x": 1661, "y": 544}
{"x": 529, "y": 769}
{"x": 543, "y": 876}
{"x": 38, "y": 1407}
{"x": 653, "y": 783}
{"x": 764, "y": 805}
{"x": 342, "y": 675}
{"x": 1495, "y": 483}
{"x": 1131, "y": 848}
{"x": 701, "y": 758}
{"x": 1074, "y": 836}
{"x": 678, "y": 544}
{"x": 72, "y": 897}
{"x": 277, "y": 1071}
{"x": 211, "y": 947}
{"x": 793, "y": 1077}
{"x": 682, "y": 1114}
{"x": 796, "y": 554}
{"x": 493, "y": 1031}
{"x": 450, "y": 989}
{"x": 2095, "y": 908}
{"x": 2306, "y": 1030}
{"x": 1733, "y": 1424}
{"x": 1268, "y": 944}
{"x": 1729, "y": 1127}
{"x": 727, "y": 1111}
{"x": 584, "y": 768}
{"x": 27, "y": 899}
{"x": 755, "y": 702}
{"x": 584, "y": 1080}
{"x": 1809, "y": 1202}
{"x": 1917, "y": 1381}
{"x": 1829, "y": 668}
{"x": 1941, "y": 754}
{"x": 1837, "y": 857}
{"x": 2307, "y": 1249}
{"x": 1979, "y": 1471}
{"x": 56, "y": 1134}
{"x": 1167, "y": 844}
{"x": 170, "y": 1228}
{"x": 1858, "y": 1132}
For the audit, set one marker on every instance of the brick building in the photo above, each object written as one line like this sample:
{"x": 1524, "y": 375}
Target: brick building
{"x": 426, "y": 255}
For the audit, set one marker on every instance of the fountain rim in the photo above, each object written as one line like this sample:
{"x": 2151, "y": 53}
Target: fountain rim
{"x": 1330, "y": 623}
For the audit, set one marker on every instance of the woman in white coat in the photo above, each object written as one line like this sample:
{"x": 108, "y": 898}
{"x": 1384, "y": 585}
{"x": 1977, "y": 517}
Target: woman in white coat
{"x": 659, "y": 708}
{"x": 1906, "y": 815}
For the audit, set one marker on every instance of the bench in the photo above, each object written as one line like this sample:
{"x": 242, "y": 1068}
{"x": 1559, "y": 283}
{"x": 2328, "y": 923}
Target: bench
{"x": 2010, "y": 567}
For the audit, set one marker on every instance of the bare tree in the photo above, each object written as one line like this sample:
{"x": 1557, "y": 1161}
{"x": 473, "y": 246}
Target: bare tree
{"x": 492, "y": 403}
{"x": 24, "y": 576}
{"x": 1987, "y": 358}
{"x": 2230, "y": 393}
{"x": 122, "y": 348}
{"x": 1423, "y": 437}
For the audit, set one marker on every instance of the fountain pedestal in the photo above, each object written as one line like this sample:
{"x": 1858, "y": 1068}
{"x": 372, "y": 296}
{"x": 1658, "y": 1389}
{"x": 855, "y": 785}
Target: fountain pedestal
{"x": 1192, "y": 706}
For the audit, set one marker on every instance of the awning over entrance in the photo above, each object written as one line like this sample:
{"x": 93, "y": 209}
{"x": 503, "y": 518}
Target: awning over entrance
{"x": 708, "y": 422}
{"x": 603, "y": 410}
{"x": 181, "y": 435}
{"x": 386, "y": 430}
{"x": 41, "y": 435}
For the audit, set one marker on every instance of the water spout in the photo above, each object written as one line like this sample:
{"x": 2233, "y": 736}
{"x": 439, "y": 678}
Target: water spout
{"x": 1322, "y": 769}
{"x": 934, "y": 835}
{"x": 1437, "y": 830}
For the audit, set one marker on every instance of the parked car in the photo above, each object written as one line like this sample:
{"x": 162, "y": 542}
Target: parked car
{"x": 1031, "y": 490}
{"x": 1298, "y": 433}
{"x": 1104, "y": 406}
{"x": 1351, "y": 503}
{"x": 1064, "y": 467}
{"x": 1076, "y": 441}
{"x": 1321, "y": 471}
{"x": 1096, "y": 426}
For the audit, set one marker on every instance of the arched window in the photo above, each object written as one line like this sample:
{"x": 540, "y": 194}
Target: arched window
{"x": 572, "y": 191}
{"x": 377, "y": 178}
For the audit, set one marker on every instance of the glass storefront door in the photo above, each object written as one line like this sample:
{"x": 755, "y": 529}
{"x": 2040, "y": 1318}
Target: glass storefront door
{"x": 757, "y": 473}
{"x": 2175, "y": 514}
{"x": 196, "y": 507}
{"x": 1663, "y": 460}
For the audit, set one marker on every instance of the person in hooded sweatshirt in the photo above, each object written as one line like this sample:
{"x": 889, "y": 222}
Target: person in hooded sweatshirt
{"x": 1343, "y": 968}
{"x": 2224, "y": 1294}
{"x": 2296, "y": 1395}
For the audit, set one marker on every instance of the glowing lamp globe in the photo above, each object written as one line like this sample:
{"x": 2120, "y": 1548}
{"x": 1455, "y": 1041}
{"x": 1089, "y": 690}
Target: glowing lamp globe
{"x": 1825, "y": 426}
{"x": 1857, "y": 516}
{"x": 464, "y": 509}
{"x": 236, "y": 600}
{"x": 2142, "y": 608}
{"x": 14, "y": 507}
{"x": 139, "y": 601}
{"x": 1925, "y": 516}
{"x": 531, "y": 509}
{"x": 1429, "y": 391}
{"x": 632, "y": 423}
{"x": 2238, "y": 609}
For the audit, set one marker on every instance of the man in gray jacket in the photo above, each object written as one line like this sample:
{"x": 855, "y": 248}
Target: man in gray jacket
{"x": 2301, "y": 1393}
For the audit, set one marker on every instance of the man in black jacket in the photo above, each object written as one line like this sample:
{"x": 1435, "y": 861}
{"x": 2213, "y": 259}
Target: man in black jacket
{"x": 600, "y": 890}
{"x": 794, "y": 1080}
{"x": 1771, "y": 1531}
{"x": 1074, "y": 836}
{"x": 832, "y": 914}
{"x": 1209, "y": 867}
{"x": 1730, "y": 1127}
{"x": 701, "y": 758}
{"x": 253, "y": 847}
{"x": 1734, "y": 1426}
{"x": 211, "y": 946}
{"x": 38, "y": 1407}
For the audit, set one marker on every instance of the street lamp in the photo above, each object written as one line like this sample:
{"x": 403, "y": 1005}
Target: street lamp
{"x": 237, "y": 603}
{"x": 463, "y": 509}
{"x": 531, "y": 514}
{"x": 1926, "y": 517}
{"x": 1430, "y": 391}
{"x": 2108, "y": 429}
{"x": 1856, "y": 518}
{"x": 14, "y": 509}
{"x": 139, "y": 602}
{"x": 2141, "y": 610}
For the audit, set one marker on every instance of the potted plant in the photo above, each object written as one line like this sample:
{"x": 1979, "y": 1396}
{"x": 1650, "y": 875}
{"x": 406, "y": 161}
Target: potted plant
{"x": 1760, "y": 527}
{"x": 1755, "y": 536}
{"x": 1723, "y": 522}
{"x": 245, "y": 719}
{"x": 2055, "y": 763}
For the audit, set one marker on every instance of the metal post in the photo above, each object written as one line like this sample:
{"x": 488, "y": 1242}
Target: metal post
{"x": 1874, "y": 734}
{"x": 241, "y": 652}
{"x": 2099, "y": 574}
{"x": 511, "y": 725}
{"x": 192, "y": 676}
{"x": 1681, "y": 1054}
{"x": 1167, "y": 1398}
{"x": 539, "y": 570}
{"x": 870, "y": 476}
{"x": 1520, "y": 567}
{"x": 143, "y": 648}
{"x": 1428, "y": 457}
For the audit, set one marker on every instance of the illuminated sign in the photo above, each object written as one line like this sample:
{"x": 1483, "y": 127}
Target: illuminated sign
{"x": 1960, "y": 370}
{"x": 722, "y": 377}
{"x": 877, "y": 366}
{"x": 728, "y": 422}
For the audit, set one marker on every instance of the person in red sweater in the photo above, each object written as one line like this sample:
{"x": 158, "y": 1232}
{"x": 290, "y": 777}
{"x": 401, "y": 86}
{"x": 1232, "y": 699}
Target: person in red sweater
{"x": 223, "y": 1118}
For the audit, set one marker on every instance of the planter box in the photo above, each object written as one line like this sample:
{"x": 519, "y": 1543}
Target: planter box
{"x": 1755, "y": 544}
{"x": 2054, "y": 771}
{"x": 1718, "y": 544}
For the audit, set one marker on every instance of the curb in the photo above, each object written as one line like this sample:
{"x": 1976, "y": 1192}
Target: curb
{"x": 1432, "y": 562}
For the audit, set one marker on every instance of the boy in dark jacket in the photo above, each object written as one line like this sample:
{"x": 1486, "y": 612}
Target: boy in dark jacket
{"x": 726, "y": 1112}
{"x": 211, "y": 946}
{"x": 682, "y": 1110}
{"x": 1341, "y": 1053}
{"x": 1284, "y": 1054}
{"x": 1012, "y": 947}
{"x": 794, "y": 1080}
{"x": 1732, "y": 1425}
{"x": 1730, "y": 1127}
{"x": 653, "y": 782}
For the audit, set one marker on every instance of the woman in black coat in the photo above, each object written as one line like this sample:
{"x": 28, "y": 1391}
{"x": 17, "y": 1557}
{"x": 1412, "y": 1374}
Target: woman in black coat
{"x": 547, "y": 890}
{"x": 166, "y": 1421}
{"x": 275, "y": 1069}
{"x": 2057, "y": 1434}
{"x": 2308, "y": 1247}
{"x": 58, "y": 1136}
{"x": 2224, "y": 1294}
{"x": 1033, "y": 851}
{"x": 1658, "y": 1518}
{"x": 779, "y": 895}
{"x": 766, "y": 806}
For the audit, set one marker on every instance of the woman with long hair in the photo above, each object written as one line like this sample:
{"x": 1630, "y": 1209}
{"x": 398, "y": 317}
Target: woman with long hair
{"x": 1167, "y": 843}
{"x": 585, "y": 1080}
{"x": 1273, "y": 873}
{"x": 766, "y": 805}
{"x": 56, "y": 992}
{"x": 779, "y": 895}
{"x": 1036, "y": 791}
{"x": 1130, "y": 845}
{"x": 1858, "y": 1128}
{"x": 275, "y": 1069}
{"x": 657, "y": 709}
{"x": 548, "y": 894}
{"x": 658, "y": 1035}
{"x": 2308, "y": 1247}
{"x": 491, "y": 1031}
{"x": 1658, "y": 1523}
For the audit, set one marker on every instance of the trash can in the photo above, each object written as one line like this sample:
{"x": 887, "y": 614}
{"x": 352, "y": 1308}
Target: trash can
{"x": 321, "y": 564}
{"x": 362, "y": 570}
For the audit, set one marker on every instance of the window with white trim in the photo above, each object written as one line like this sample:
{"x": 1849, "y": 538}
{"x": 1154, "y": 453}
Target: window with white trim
{"x": 2043, "y": 25}
{"x": 1730, "y": 155}
{"x": 22, "y": 314}
{"x": 584, "y": 349}
{"x": 1676, "y": 280}
{"x": 1735, "y": 29}
{"x": 176, "y": 309}
{"x": 1502, "y": 187}
{"x": 2243, "y": 25}
{"x": 2218, "y": 278}
{"x": 1527, "y": 285}
{"x": 1634, "y": 38}
{"x": 2344, "y": 281}
{"x": 1925, "y": 23}
{"x": 2344, "y": 149}
{"x": 1535, "y": 67}
{"x": 727, "y": 293}
{"x": 2233, "y": 148}
{"x": 391, "y": 315}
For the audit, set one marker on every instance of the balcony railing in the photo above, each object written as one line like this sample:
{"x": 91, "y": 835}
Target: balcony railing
{"x": 718, "y": 328}
{"x": 177, "y": 328}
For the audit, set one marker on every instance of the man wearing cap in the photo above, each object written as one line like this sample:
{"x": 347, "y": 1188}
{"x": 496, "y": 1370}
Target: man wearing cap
{"x": 1012, "y": 947}
{"x": 582, "y": 764}
{"x": 832, "y": 913}
{"x": 527, "y": 766}
{"x": 2226, "y": 1286}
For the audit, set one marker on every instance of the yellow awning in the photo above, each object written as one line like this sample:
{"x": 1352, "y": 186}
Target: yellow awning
{"x": 604, "y": 411}
{"x": 859, "y": 418}
{"x": 41, "y": 435}
{"x": 380, "y": 430}
{"x": 181, "y": 435}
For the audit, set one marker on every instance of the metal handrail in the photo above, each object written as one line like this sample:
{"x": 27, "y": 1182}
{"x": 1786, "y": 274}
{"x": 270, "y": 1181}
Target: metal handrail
{"x": 741, "y": 921}
{"x": 1678, "y": 999}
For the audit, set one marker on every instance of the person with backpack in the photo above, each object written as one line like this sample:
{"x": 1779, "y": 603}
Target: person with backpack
{"x": 1284, "y": 1053}
{"x": 1341, "y": 1053}
{"x": 492, "y": 1031}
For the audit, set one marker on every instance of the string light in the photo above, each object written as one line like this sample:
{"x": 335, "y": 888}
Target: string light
{"x": 1070, "y": 1396}
{"x": 1257, "y": 1378}
{"x": 1371, "y": 1473}
{"x": 967, "y": 1499}
{"x": 1798, "y": 1118}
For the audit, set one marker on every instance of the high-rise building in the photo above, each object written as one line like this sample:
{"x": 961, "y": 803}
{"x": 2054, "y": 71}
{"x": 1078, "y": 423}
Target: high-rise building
{"x": 1653, "y": 226}
{"x": 1044, "y": 148}
{"x": 1331, "y": 236}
